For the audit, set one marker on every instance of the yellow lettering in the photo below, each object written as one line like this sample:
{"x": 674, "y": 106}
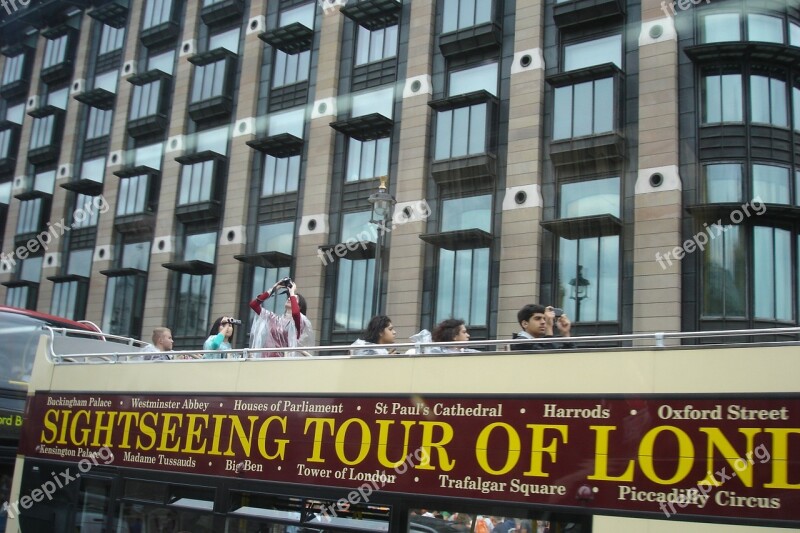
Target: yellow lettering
{"x": 245, "y": 440}
{"x": 262, "y": 438}
{"x": 341, "y": 439}
{"x": 50, "y": 430}
{"x": 85, "y": 431}
{"x": 125, "y": 417}
{"x": 383, "y": 442}
{"x": 147, "y": 431}
{"x": 780, "y": 458}
{"x": 482, "y": 446}
{"x": 196, "y": 424}
{"x": 717, "y": 440}
{"x": 538, "y": 447}
{"x": 428, "y": 442}
{"x": 169, "y": 421}
{"x": 685, "y": 455}
{"x": 103, "y": 429}
{"x": 319, "y": 426}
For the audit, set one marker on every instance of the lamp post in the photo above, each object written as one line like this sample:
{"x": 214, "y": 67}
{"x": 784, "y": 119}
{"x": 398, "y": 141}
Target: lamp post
{"x": 579, "y": 290}
{"x": 382, "y": 203}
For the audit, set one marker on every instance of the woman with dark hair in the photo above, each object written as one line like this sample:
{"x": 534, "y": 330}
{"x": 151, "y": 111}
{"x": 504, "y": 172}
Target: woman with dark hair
{"x": 289, "y": 330}
{"x": 451, "y": 330}
{"x": 379, "y": 331}
{"x": 219, "y": 338}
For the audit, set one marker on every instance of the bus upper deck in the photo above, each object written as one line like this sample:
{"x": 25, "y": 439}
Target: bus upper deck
{"x": 658, "y": 436}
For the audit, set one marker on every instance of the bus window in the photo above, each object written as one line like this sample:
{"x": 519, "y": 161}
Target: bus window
{"x": 169, "y": 508}
{"x": 437, "y": 521}
{"x": 19, "y": 338}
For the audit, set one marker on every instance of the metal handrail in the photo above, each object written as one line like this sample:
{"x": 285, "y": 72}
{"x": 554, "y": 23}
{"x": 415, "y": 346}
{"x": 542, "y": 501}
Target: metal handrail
{"x": 626, "y": 342}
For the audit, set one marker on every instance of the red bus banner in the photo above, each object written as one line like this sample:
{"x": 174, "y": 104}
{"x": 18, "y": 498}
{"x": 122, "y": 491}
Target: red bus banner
{"x": 652, "y": 455}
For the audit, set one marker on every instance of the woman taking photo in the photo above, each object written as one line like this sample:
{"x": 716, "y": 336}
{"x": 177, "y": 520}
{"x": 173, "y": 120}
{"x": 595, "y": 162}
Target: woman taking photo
{"x": 219, "y": 338}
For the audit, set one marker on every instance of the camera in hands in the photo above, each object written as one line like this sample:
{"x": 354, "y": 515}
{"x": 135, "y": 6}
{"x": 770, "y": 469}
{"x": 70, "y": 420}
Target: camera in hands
{"x": 235, "y": 322}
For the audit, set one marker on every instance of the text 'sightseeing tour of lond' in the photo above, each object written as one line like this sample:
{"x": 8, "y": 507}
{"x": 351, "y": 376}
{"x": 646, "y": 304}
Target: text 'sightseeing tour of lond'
{"x": 642, "y": 455}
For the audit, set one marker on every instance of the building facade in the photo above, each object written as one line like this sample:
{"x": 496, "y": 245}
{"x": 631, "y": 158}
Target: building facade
{"x": 634, "y": 163}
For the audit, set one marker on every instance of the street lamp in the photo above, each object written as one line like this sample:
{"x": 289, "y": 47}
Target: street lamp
{"x": 382, "y": 204}
{"x": 579, "y": 290}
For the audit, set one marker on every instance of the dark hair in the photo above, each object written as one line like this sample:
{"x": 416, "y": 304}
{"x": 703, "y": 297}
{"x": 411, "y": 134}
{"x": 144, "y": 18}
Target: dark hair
{"x": 301, "y": 303}
{"x": 375, "y": 327}
{"x": 446, "y": 330}
{"x": 528, "y": 311}
{"x": 217, "y": 324}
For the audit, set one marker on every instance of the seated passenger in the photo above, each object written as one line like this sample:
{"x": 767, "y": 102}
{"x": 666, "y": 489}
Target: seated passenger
{"x": 379, "y": 331}
{"x": 537, "y": 323}
{"x": 219, "y": 338}
{"x": 450, "y": 330}
{"x": 162, "y": 342}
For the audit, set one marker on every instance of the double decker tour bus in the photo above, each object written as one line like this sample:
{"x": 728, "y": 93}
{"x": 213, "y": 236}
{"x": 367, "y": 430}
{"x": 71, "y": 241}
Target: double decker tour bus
{"x": 638, "y": 437}
{"x": 20, "y": 330}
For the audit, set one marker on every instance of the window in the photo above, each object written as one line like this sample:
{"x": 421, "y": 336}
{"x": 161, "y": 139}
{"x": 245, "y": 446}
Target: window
{"x": 274, "y": 237}
{"x": 771, "y": 184}
{"x": 42, "y": 131}
{"x": 722, "y": 98}
{"x": 772, "y": 273}
{"x": 587, "y": 198}
{"x": 209, "y": 80}
{"x": 30, "y": 216}
{"x": 794, "y": 34}
{"x": 355, "y": 278}
{"x": 164, "y": 62}
{"x": 55, "y": 51}
{"x": 124, "y": 303}
{"x": 462, "y": 288}
{"x": 107, "y": 80}
{"x": 69, "y": 297}
{"x": 228, "y": 40}
{"x": 148, "y": 156}
{"x": 6, "y": 138}
{"x": 375, "y": 45}
{"x": 584, "y": 109}
{"x": 723, "y": 182}
{"x": 768, "y": 101}
{"x": 99, "y": 122}
{"x": 94, "y": 169}
{"x": 16, "y": 113}
{"x": 133, "y": 195}
{"x": 194, "y": 292}
{"x": 368, "y": 159}
{"x": 379, "y": 101}
{"x": 30, "y": 270}
{"x": 197, "y": 183}
{"x": 13, "y": 69}
{"x": 281, "y": 175}
{"x": 146, "y": 100}
{"x": 591, "y": 53}
{"x": 19, "y": 297}
{"x": 796, "y": 107}
{"x": 156, "y": 12}
{"x": 111, "y": 39}
{"x": 588, "y": 278}
{"x": 482, "y": 78}
{"x": 86, "y": 213}
{"x": 291, "y": 122}
{"x": 721, "y": 27}
{"x": 303, "y": 14}
{"x": 461, "y": 132}
{"x": 461, "y": 14}
{"x": 764, "y": 28}
{"x": 724, "y": 273}
{"x": 290, "y": 68}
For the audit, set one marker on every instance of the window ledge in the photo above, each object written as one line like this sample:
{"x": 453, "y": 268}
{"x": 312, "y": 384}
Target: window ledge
{"x": 57, "y": 72}
{"x": 293, "y": 38}
{"x": 99, "y": 98}
{"x": 463, "y": 100}
{"x": 373, "y": 14}
{"x": 352, "y": 250}
{"x": 163, "y": 33}
{"x": 221, "y": 12}
{"x": 271, "y": 259}
{"x": 199, "y": 157}
{"x": 136, "y": 223}
{"x": 366, "y": 127}
{"x": 138, "y": 170}
{"x": 469, "y": 40}
{"x": 120, "y": 272}
{"x": 480, "y": 166}
{"x": 31, "y": 194}
{"x": 594, "y": 72}
{"x": 114, "y": 13}
{"x": 580, "y": 150}
{"x": 44, "y": 154}
{"x": 745, "y": 50}
{"x": 143, "y": 126}
{"x": 198, "y": 212}
{"x": 464, "y": 239}
{"x": 44, "y": 111}
{"x": 19, "y": 283}
{"x": 14, "y": 88}
{"x": 211, "y": 108}
{"x": 84, "y": 186}
{"x": 194, "y": 267}
{"x": 281, "y": 145}
{"x": 211, "y": 56}
{"x": 65, "y": 278}
{"x": 584, "y": 227}
{"x": 148, "y": 77}
{"x": 578, "y": 12}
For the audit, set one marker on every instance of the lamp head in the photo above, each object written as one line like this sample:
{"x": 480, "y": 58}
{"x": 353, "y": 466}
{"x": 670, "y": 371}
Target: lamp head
{"x": 381, "y": 201}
